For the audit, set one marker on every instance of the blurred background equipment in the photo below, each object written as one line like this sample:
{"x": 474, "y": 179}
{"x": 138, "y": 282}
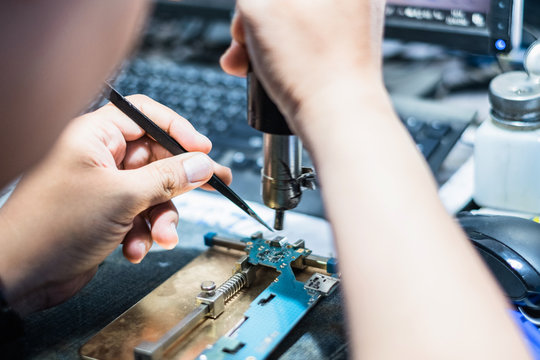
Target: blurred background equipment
{"x": 477, "y": 26}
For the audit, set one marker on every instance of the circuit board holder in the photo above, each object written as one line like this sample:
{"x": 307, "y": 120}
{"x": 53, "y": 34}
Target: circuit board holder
{"x": 167, "y": 305}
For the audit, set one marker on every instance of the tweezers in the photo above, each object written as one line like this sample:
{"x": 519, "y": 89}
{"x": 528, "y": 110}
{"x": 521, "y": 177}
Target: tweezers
{"x": 165, "y": 140}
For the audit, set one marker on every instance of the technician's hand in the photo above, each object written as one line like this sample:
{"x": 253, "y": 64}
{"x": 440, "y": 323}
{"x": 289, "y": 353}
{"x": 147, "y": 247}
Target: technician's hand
{"x": 104, "y": 183}
{"x": 305, "y": 51}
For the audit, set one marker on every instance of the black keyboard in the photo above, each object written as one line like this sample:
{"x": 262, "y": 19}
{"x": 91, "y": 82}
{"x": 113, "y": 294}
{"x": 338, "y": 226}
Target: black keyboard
{"x": 216, "y": 104}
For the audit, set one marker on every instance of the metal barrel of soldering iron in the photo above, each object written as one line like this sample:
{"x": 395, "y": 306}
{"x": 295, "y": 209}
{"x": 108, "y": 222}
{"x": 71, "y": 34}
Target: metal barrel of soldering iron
{"x": 282, "y": 152}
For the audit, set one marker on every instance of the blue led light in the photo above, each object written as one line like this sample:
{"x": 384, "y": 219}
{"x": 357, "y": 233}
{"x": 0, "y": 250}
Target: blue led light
{"x": 500, "y": 44}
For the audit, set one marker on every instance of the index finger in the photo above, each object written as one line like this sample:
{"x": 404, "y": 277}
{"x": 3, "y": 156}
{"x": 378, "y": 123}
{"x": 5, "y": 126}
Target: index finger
{"x": 167, "y": 119}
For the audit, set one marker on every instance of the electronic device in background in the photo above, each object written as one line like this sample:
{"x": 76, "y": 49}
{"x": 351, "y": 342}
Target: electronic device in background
{"x": 479, "y": 26}
{"x": 466, "y": 25}
{"x": 510, "y": 247}
{"x": 467, "y": 34}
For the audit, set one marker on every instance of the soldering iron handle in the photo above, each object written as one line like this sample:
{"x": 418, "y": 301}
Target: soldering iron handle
{"x": 263, "y": 113}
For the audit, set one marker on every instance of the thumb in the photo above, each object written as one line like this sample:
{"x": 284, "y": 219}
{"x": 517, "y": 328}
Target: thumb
{"x": 164, "y": 179}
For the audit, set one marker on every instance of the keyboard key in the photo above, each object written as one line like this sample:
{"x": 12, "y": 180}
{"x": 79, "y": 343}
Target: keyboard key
{"x": 427, "y": 146}
{"x": 189, "y": 104}
{"x": 414, "y": 125}
{"x": 437, "y": 130}
{"x": 239, "y": 160}
{"x": 211, "y": 78}
{"x": 221, "y": 125}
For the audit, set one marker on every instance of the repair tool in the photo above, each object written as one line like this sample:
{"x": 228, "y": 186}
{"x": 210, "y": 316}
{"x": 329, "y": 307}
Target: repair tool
{"x": 283, "y": 177}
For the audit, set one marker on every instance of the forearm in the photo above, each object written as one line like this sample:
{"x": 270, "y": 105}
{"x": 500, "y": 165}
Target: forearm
{"x": 413, "y": 284}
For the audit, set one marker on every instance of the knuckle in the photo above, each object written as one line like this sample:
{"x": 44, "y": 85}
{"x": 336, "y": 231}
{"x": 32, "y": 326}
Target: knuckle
{"x": 139, "y": 98}
{"x": 169, "y": 179}
{"x": 141, "y": 101}
{"x": 153, "y": 212}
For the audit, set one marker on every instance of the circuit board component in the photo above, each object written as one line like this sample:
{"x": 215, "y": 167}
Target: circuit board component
{"x": 275, "y": 312}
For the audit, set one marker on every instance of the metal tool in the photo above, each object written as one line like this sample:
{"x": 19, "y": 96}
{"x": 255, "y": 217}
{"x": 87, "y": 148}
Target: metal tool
{"x": 285, "y": 299}
{"x": 211, "y": 304}
{"x": 283, "y": 177}
{"x": 278, "y": 308}
{"x": 279, "y": 280}
{"x": 165, "y": 140}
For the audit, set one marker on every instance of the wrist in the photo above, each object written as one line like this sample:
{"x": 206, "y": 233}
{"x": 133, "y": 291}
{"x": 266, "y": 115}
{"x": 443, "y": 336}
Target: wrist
{"x": 15, "y": 268}
{"x": 343, "y": 104}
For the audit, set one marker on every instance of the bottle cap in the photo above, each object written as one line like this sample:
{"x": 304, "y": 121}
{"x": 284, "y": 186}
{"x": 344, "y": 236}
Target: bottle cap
{"x": 515, "y": 96}
{"x": 515, "y": 99}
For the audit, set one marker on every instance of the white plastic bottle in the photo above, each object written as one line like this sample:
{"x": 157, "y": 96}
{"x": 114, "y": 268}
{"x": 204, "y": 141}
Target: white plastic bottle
{"x": 507, "y": 148}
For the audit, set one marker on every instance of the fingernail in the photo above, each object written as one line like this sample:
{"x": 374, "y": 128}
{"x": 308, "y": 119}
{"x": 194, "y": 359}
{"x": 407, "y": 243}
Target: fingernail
{"x": 198, "y": 168}
{"x": 173, "y": 230}
{"x": 205, "y": 138}
{"x": 141, "y": 247}
{"x": 173, "y": 233}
